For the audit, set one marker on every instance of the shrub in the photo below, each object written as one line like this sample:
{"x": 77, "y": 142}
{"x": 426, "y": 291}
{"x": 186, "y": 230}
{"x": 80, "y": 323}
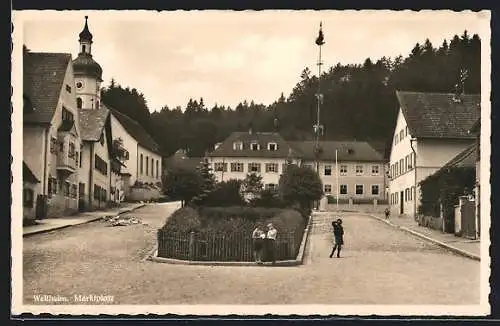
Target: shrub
{"x": 226, "y": 193}
{"x": 268, "y": 198}
{"x": 185, "y": 219}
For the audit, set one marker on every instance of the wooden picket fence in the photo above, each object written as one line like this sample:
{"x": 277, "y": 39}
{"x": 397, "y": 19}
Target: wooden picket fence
{"x": 222, "y": 247}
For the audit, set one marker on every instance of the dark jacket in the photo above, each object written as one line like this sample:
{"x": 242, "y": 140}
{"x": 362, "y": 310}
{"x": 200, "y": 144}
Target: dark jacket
{"x": 338, "y": 231}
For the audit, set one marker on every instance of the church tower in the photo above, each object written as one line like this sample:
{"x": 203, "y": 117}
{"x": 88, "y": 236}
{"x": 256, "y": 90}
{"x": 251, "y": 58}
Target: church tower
{"x": 87, "y": 72}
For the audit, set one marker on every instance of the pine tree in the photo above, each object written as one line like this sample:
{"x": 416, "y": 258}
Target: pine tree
{"x": 208, "y": 183}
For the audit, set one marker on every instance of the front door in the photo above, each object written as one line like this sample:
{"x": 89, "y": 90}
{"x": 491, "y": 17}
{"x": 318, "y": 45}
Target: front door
{"x": 401, "y": 205}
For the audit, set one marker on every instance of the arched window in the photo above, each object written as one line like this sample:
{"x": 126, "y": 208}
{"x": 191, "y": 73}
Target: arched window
{"x": 79, "y": 102}
{"x": 147, "y": 165}
{"x": 84, "y": 48}
{"x": 141, "y": 165}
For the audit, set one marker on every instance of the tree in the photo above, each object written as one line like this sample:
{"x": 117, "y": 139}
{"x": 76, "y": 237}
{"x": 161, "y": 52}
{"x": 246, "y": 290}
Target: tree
{"x": 182, "y": 184}
{"x": 252, "y": 185}
{"x": 300, "y": 186}
{"x": 208, "y": 184}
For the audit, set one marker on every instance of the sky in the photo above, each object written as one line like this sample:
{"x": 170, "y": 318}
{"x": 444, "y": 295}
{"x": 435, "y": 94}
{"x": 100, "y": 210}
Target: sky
{"x": 229, "y": 56}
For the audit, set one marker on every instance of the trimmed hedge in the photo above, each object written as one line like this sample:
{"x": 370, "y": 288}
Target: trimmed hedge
{"x": 233, "y": 219}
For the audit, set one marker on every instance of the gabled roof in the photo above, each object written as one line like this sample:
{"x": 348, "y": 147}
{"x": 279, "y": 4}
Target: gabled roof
{"x": 43, "y": 77}
{"x": 28, "y": 175}
{"x": 92, "y": 122}
{"x": 438, "y": 115}
{"x": 135, "y": 130}
{"x": 356, "y": 151}
{"x": 180, "y": 161}
{"x": 246, "y": 138}
{"x": 465, "y": 159}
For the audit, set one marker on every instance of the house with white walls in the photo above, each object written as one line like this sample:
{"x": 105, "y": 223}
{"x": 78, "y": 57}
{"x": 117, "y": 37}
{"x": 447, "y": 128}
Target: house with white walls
{"x": 431, "y": 129}
{"x": 242, "y": 153}
{"x": 51, "y": 135}
{"x": 141, "y": 173}
{"x": 353, "y": 170}
{"x": 360, "y": 175}
{"x": 96, "y": 186}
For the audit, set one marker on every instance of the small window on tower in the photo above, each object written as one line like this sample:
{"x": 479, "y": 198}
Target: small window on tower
{"x": 79, "y": 102}
{"x": 79, "y": 85}
{"x": 84, "y": 48}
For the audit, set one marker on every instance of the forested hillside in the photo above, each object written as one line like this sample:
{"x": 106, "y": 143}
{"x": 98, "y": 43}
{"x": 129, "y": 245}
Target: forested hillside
{"x": 359, "y": 100}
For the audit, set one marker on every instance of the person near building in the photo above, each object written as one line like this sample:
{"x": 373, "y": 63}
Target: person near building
{"x": 338, "y": 237}
{"x": 387, "y": 213}
{"x": 258, "y": 236}
{"x": 271, "y": 236}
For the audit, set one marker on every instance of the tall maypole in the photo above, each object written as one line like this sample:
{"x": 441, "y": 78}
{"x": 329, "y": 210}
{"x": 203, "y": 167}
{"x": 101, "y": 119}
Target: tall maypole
{"x": 318, "y": 128}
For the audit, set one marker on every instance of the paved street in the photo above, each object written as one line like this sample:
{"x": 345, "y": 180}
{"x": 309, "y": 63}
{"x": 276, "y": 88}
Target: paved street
{"x": 379, "y": 265}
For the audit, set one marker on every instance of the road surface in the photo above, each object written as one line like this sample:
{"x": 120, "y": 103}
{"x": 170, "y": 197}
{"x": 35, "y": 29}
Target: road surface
{"x": 379, "y": 265}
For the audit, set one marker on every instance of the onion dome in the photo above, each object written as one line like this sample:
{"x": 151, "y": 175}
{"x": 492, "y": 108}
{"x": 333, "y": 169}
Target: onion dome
{"x": 84, "y": 64}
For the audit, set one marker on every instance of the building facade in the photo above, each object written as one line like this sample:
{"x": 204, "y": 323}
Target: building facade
{"x": 431, "y": 129}
{"x": 349, "y": 170}
{"x": 51, "y": 133}
{"x": 359, "y": 175}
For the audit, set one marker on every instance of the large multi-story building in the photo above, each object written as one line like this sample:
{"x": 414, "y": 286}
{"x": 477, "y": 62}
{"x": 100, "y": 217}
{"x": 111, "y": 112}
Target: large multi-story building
{"x": 431, "y": 129}
{"x": 359, "y": 174}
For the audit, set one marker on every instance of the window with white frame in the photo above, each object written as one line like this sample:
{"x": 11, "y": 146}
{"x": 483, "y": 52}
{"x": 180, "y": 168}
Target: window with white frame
{"x": 343, "y": 170}
{"x": 343, "y": 189}
{"x": 396, "y": 139}
{"x": 237, "y": 146}
{"x": 401, "y": 134}
{"x": 328, "y": 189}
{"x": 254, "y": 167}
{"x": 328, "y": 170}
{"x": 272, "y": 146}
{"x": 359, "y": 169}
{"x": 375, "y": 189}
{"x": 272, "y": 167}
{"x": 401, "y": 166}
{"x": 254, "y": 146}
{"x": 220, "y": 167}
{"x": 375, "y": 169}
{"x": 359, "y": 189}
{"x": 412, "y": 191}
{"x": 236, "y": 167}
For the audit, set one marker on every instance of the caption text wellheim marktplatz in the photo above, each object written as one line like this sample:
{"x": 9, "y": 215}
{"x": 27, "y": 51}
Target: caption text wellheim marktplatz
{"x": 77, "y": 298}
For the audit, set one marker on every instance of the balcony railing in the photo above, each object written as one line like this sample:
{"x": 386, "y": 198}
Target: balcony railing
{"x": 66, "y": 163}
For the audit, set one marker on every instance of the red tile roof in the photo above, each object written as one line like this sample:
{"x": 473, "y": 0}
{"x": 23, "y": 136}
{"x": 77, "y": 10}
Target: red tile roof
{"x": 43, "y": 77}
{"x": 438, "y": 115}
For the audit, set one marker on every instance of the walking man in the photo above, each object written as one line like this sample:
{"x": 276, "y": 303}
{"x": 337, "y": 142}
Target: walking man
{"x": 271, "y": 235}
{"x": 387, "y": 213}
{"x": 338, "y": 237}
{"x": 258, "y": 237}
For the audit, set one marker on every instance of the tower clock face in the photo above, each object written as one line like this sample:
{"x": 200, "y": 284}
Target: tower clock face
{"x": 79, "y": 84}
